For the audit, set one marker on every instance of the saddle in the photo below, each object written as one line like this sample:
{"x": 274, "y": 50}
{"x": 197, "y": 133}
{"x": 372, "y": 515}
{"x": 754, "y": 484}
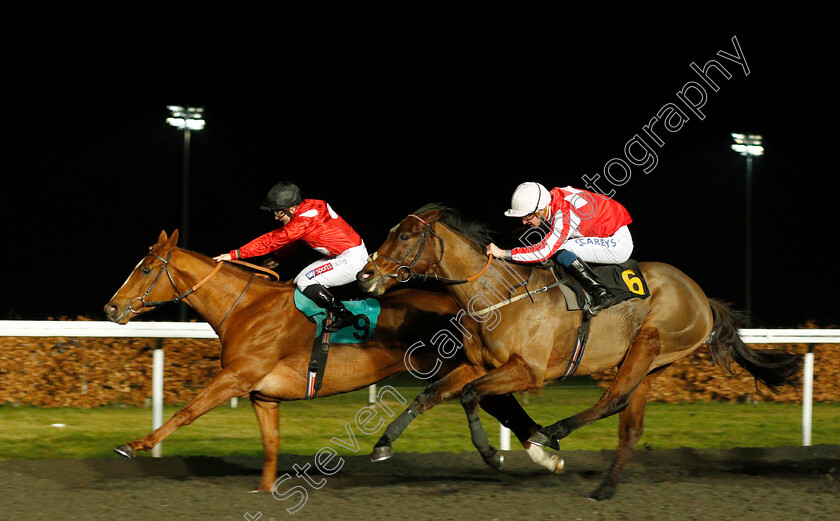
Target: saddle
{"x": 366, "y": 311}
{"x": 625, "y": 280}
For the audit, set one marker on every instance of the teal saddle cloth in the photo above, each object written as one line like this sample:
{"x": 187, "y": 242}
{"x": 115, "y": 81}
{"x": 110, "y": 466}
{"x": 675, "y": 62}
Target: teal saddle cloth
{"x": 347, "y": 335}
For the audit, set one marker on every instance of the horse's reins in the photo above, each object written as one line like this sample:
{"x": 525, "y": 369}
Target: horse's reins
{"x": 404, "y": 272}
{"x": 527, "y": 294}
{"x": 180, "y": 296}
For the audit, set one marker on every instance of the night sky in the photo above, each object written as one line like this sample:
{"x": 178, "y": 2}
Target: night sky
{"x": 380, "y": 108}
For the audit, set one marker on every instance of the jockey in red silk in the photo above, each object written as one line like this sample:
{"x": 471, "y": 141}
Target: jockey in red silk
{"x": 316, "y": 224}
{"x": 583, "y": 227}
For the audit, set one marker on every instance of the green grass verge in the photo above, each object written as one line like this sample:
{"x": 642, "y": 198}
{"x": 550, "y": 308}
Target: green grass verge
{"x": 305, "y": 427}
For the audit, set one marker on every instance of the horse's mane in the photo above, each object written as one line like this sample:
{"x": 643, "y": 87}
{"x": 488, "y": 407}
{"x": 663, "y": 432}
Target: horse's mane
{"x": 475, "y": 231}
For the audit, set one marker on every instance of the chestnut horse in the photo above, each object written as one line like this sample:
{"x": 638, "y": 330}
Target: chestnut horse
{"x": 515, "y": 345}
{"x": 267, "y": 343}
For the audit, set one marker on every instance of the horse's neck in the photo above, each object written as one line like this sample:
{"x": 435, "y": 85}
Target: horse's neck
{"x": 463, "y": 260}
{"x": 215, "y": 297}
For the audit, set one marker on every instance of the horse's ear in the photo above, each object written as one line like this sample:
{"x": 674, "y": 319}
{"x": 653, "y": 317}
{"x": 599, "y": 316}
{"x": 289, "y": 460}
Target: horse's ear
{"x": 162, "y": 237}
{"x": 434, "y": 215}
{"x": 173, "y": 239}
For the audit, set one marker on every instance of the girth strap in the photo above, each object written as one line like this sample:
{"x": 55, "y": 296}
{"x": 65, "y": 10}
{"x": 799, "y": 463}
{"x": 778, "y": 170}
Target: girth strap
{"x": 318, "y": 361}
{"x": 580, "y": 345}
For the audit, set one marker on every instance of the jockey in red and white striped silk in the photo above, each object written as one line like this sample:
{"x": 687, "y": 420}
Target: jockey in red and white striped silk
{"x": 584, "y": 227}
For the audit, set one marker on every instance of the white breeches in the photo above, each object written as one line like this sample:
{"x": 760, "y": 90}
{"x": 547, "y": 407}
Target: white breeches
{"x": 335, "y": 271}
{"x": 602, "y": 250}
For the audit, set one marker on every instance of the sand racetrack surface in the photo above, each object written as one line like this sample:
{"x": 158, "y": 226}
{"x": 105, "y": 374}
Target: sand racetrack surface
{"x": 795, "y": 483}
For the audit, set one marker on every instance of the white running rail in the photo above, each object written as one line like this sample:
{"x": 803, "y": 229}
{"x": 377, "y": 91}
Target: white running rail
{"x": 101, "y": 329}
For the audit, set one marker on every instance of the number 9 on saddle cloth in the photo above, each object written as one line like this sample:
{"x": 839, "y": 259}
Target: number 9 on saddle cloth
{"x": 366, "y": 311}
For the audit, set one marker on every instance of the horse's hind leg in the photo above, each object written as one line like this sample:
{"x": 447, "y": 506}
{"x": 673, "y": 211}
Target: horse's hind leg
{"x": 444, "y": 389}
{"x": 630, "y": 428}
{"x": 633, "y": 369}
{"x": 510, "y": 414}
{"x": 269, "y": 420}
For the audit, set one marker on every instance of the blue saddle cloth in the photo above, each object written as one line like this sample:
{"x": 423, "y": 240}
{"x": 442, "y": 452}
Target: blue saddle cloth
{"x": 347, "y": 335}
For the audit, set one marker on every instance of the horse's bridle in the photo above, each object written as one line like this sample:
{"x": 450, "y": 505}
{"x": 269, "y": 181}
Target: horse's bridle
{"x": 179, "y": 296}
{"x": 404, "y": 272}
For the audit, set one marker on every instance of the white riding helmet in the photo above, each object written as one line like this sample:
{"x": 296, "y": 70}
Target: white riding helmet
{"x": 528, "y": 198}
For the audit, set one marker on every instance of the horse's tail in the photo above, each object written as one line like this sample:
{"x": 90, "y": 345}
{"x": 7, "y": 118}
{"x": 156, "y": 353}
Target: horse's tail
{"x": 772, "y": 367}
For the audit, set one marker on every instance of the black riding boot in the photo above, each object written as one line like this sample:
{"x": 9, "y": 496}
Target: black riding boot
{"x": 342, "y": 317}
{"x": 601, "y": 297}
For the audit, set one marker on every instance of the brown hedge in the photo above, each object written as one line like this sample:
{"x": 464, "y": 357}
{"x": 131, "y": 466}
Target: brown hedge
{"x": 90, "y": 372}
{"x": 697, "y": 378}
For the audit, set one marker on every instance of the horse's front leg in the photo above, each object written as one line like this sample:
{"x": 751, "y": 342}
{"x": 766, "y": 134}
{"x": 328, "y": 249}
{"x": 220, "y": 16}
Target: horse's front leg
{"x": 513, "y": 376}
{"x": 269, "y": 419}
{"x": 444, "y": 389}
{"x": 222, "y": 387}
{"x": 632, "y": 370}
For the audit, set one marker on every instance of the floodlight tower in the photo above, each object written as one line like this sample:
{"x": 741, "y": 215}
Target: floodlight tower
{"x": 749, "y": 146}
{"x": 186, "y": 119}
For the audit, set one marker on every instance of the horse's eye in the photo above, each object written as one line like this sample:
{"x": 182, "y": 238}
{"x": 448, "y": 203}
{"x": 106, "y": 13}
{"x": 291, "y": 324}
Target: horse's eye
{"x": 145, "y": 270}
{"x": 403, "y": 236}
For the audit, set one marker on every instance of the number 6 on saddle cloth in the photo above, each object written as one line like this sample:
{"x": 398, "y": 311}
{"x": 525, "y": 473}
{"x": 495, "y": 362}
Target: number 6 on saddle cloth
{"x": 366, "y": 311}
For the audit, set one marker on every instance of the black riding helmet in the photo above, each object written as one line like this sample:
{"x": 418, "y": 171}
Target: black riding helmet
{"x": 282, "y": 196}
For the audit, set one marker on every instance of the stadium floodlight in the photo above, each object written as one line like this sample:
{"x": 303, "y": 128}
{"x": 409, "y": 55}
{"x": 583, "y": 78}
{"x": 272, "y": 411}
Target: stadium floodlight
{"x": 748, "y": 144}
{"x": 189, "y": 118}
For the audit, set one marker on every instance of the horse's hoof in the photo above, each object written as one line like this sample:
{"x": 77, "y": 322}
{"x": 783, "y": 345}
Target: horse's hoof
{"x": 495, "y": 460}
{"x": 538, "y": 438}
{"x": 381, "y": 453}
{"x": 125, "y": 451}
{"x": 602, "y": 493}
{"x": 561, "y": 466}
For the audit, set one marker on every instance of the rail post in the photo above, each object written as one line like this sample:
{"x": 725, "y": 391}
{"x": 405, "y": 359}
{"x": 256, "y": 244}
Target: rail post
{"x": 807, "y": 395}
{"x": 157, "y": 396}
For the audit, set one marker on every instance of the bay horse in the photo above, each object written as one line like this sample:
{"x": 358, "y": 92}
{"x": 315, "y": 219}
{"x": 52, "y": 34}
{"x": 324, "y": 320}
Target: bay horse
{"x": 514, "y": 345}
{"x": 267, "y": 343}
